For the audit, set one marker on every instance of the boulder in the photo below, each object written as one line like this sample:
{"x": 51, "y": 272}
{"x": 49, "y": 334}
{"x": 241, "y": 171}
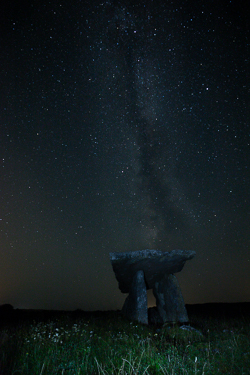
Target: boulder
{"x": 154, "y": 263}
{"x": 136, "y": 305}
{"x": 154, "y": 316}
{"x": 169, "y": 300}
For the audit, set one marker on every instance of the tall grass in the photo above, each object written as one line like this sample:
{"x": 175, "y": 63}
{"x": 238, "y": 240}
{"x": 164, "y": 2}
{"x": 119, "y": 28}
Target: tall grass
{"x": 110, "y": 344}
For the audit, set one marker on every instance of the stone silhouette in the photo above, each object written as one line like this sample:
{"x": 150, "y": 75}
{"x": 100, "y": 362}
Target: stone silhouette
{"x": 169, "y": 300}
{"x": 136, "y": 305}
{"x": 137, "y": 271}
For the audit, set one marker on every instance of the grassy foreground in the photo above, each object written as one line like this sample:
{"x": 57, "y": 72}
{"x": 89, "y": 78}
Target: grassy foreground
{"x": 106, "y": 343}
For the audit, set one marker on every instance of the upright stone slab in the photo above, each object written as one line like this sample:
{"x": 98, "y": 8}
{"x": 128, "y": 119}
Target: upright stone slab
{"x": 136, "y": 306}
{"x": 169, "y": 300}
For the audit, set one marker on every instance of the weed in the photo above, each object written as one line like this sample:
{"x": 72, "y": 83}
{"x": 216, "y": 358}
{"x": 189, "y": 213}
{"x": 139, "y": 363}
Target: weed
{"x": 111, "y": 344}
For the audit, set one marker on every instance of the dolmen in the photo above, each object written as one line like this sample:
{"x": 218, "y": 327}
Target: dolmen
{"x": 138, "y": 271}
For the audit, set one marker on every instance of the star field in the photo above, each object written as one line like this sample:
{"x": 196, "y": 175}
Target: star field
{"x": 123, "y": 127}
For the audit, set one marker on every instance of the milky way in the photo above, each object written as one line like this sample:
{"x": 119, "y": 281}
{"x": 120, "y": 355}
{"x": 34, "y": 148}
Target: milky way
{"x": 162, "y": 205}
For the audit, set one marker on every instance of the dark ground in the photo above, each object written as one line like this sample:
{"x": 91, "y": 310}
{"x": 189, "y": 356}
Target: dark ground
{"x": 11, "y": 316}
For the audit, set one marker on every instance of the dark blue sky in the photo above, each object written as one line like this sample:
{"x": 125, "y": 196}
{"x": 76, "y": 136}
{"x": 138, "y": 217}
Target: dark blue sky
{"x": 124, "y": 126}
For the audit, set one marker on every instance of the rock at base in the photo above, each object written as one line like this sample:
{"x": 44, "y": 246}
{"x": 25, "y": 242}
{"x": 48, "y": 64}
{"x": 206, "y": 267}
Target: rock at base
{"x": 154, "y": 316}
{"x": 169, "y": 300}
{"x": 136, "y": 306}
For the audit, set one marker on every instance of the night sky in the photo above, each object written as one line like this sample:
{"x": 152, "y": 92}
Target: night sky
{"x": 124, "y": 125}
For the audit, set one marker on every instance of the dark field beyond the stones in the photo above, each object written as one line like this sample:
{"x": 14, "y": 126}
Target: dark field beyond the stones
{"x": 39, "y": 342}
{"x": 9, "y": 315}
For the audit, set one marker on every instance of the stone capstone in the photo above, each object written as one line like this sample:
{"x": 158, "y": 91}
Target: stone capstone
{"x": 137, "y": 271}
{"x": 154, "y": 263}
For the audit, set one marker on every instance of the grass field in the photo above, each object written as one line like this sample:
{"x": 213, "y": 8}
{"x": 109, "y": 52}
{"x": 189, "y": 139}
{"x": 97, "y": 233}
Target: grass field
{"x": 107, "y": 343}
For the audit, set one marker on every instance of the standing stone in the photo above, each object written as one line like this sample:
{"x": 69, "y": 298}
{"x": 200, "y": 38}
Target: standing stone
{"x": 169, "y": 300}
{"x": 135, "y": 306}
